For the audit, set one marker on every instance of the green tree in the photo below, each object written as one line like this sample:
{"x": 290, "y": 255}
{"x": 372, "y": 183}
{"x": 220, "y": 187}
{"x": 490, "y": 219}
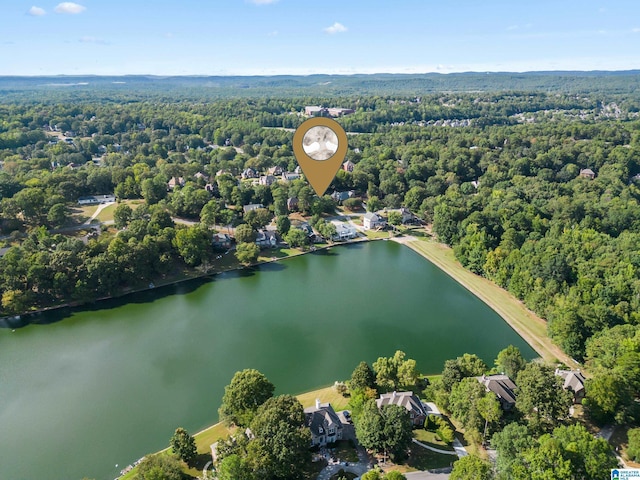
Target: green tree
{"x": 395, "y": 372}
{"x": 296, "y": 238}
{"x": 122, "y": 215}
{"x": 511, "y": 443}
{"x": 234, "y": 467}
{"x": 247, "y": 391}
{"x": 247, "y": 253}
{"x": 245, "y": 234}
{"x": 397, "y": 431}
{"x": 183, "y": 445}
{"x": 608, "y": 397}
{"x": 633, "y": 450}
{"x": 258, "y": 218}
{"x": 465, "y": 400}
{"x": 211, "y": 212}
{"x": 510, "y": 361}
{"x": 57, "y": 215}
{"x": 281, "y": 447}
{"x": 283, "y": 224}
{"x": 388, "y": 430}
{"x": 471, "y": 467}
{"x": 193, "y": 244}
{"x": 395, "y": 218}
{"x": 394, "y": 475}
{"x": 362, "y": 377}
{"x": 153, "y": 190}
{"x": 541, "y": 397}
{"x": 159, "y": 467}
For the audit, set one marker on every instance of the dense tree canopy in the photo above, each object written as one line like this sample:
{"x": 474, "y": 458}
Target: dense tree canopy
{"x": 247, "y": 391}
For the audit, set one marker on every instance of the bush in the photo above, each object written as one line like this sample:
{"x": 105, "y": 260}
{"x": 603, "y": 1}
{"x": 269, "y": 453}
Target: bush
{"x": 445, "y": 433}
{"x": 633, "y": 450}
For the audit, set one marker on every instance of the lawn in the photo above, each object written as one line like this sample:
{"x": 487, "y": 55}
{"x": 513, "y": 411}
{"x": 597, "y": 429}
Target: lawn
{"x": 531, "y": 327}
{"x": 423, "y": 459}
{"x": 345, "y": 451}
{"x": 430, "y": 438}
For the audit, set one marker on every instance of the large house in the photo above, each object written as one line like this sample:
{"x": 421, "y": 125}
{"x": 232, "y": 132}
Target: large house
{"x": 324, "y": 423}
{"x": 249, "y": 173}
{"x": 266, "y": 239}
{"x": 573, "y": 381}
{"x": 502, "y": 387}
{"x": 96, "y": 199}
{"x": 267, "y": 180}
{"x": 252, "y": 206}
{"x": 371, "y": 221}
{"x": 344, "y": 231}
{"x": 408, "y": 400}
{"x": 348, "y": 166}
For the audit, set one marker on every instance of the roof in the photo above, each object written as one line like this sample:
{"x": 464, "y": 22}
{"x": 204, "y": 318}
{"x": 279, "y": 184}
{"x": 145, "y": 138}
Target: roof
{"x": 321, "y": 417}
{"x": 252, "y": 206}
{"x": 372, "y": 216}
{"x": 501, "y": 385}
{"x": 405, "y": 399}
{"x": 573, "y": 379}
{"x": 587, "y": 171}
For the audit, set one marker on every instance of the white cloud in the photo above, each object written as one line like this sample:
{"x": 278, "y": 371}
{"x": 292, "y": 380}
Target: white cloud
{"x": 273, "y": 34}
{"x": 36, "y": 11}
{"x": 512, "y": 27}
{"x": 335, "y": 28}
{"x": 98, "y": 41}
{"x": 263, "y": 2}
{"x": 636, "y": 30}
{"x": 70, "y": 8}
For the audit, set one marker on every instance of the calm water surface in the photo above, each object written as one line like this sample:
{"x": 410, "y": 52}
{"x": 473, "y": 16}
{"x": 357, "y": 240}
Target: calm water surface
{"x": 104, "y": 387}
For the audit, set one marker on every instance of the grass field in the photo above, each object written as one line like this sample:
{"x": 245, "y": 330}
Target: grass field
{"x": 530, "y": 327}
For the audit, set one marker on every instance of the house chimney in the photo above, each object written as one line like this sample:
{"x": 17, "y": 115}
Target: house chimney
{"x": 317, "y": 404}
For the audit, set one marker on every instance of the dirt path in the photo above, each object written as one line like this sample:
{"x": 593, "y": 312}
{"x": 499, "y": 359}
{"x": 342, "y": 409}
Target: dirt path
{"x": 529, "y": 326}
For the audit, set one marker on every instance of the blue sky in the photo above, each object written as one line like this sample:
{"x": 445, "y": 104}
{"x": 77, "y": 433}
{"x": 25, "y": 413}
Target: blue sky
{"x": 265, "y": 37}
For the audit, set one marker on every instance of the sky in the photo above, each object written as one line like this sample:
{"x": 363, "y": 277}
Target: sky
{"x": 272, "y": 37}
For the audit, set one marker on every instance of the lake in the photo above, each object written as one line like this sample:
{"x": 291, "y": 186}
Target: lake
{"x": 106, "y": 385}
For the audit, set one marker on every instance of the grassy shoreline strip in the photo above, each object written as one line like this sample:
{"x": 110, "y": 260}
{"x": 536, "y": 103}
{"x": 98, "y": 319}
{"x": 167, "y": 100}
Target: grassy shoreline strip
{"x": 529, "y": 326}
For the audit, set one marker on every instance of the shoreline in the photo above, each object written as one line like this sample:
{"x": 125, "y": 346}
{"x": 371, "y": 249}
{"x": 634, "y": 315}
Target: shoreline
{"x": 527, "y": 324}
{"x": 22, "y": 319}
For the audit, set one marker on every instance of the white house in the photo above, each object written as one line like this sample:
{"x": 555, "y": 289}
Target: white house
{"x": 372, "y": 221}
{"x": 344, "y": 231}
{"x": 96, "y": 199}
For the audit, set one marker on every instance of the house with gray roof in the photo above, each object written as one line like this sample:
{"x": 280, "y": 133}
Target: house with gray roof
{"x": 371, "y": 221}
{"x": 573, "y": 381}
{"x": 252, "y": 206}
{"x": 408, "y": 400}
{"x": 324, "y": 424}
{"x": 502, "y": 387}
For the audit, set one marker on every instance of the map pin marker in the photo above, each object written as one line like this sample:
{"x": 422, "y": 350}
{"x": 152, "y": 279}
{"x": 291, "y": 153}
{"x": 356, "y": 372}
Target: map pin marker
{"x": 320, "y": 145}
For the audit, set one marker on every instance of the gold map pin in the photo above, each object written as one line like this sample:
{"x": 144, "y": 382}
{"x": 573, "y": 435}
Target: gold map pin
{"x": 320, "y": 145}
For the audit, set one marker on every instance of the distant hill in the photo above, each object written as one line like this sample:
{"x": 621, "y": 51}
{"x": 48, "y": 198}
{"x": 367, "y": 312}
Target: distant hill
{"x": 203, "y": 87}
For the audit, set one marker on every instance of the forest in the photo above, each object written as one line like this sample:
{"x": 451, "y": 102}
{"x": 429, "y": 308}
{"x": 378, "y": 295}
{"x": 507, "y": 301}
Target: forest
{"x": 538, "y": 191}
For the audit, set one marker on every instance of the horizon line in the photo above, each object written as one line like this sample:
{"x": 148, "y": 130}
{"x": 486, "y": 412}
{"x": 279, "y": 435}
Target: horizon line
{"x": 344, "y": 74}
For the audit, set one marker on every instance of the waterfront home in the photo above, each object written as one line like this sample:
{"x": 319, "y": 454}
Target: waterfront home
{"x": 408, "y": 400}
{"x": 574, "y": 382}
{"x": 221, "y": 241}
{"x": 266, "y": 239}
{"x": 372, "y": 221}
{"x": 502, "y": 387}
{"x": 324, "y": 424}
{"x": 344, "y": 231}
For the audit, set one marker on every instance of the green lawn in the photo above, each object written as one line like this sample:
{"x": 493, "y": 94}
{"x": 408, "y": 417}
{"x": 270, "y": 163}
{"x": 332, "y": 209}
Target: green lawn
{"x": 424, "y": 459}
{"x": 430, "y": 438}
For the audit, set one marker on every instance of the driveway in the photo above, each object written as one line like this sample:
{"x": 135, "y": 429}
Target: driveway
{"x": 360, "y": 468}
